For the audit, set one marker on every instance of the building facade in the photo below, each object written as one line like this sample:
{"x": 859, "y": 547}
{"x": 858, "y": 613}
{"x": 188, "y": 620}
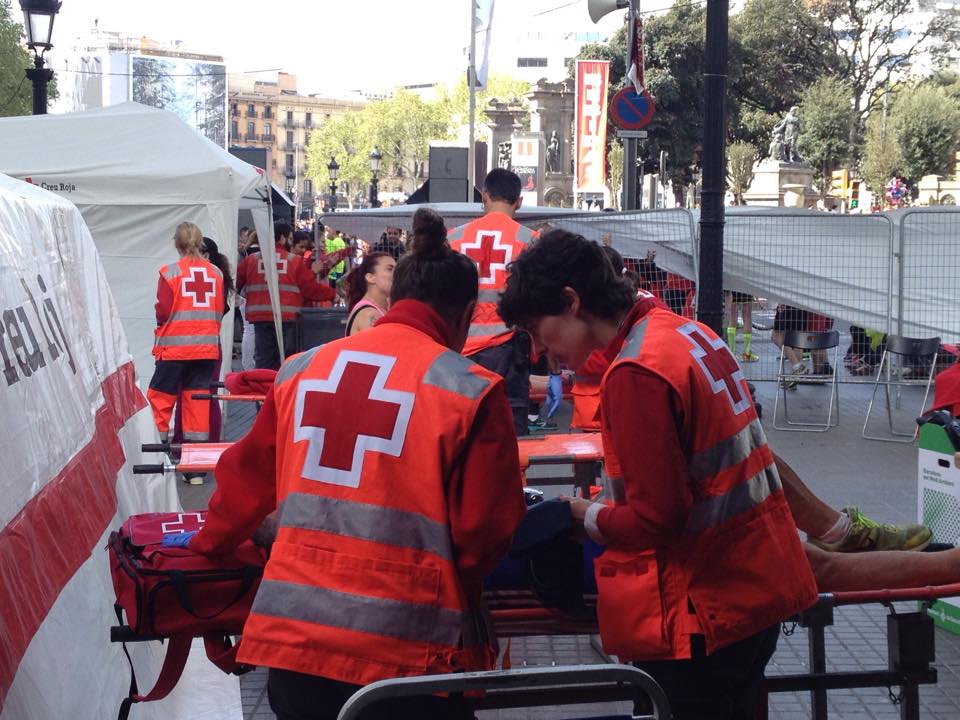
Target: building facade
{"x": 272, "y": 115}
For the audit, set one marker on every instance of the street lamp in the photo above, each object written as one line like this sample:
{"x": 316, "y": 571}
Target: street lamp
{"x": 375, "y": 158}
{"x": 38, "y": 18}
{"x": 333, "y": 170}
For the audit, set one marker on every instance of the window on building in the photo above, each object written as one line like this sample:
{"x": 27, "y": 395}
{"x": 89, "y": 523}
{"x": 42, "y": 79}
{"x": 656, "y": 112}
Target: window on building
{"x": 290, "y": 116}
{"x": 234, "y": 129}
{"x": 289, "y": 138}
{"x": 309, "y": 119}
{"x": 251, "y": 110}
{"x": 306, "y": 138}
{"x": 251, "y": 130}
{"x": 234, "y": 109}
{"x": 532, "y": 62}
{"x": 267, "y": 130}
{"x": 267, "y": 111}
{"x": 290, "y": 162}
{"x": 308, "y": 187}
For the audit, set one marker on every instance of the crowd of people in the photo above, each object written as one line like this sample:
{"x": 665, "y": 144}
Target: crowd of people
{"x": 387, "y": 463}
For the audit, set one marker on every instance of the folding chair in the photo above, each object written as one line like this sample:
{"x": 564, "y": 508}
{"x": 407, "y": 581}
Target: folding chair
{"x": 905, "y": 349}
{"x": 567, "y": 685}
{"x": 811, "y": 341}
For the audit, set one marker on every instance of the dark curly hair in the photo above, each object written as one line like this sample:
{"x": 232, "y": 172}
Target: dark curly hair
{"x": 432, "y": 272}
{"x": 560, "y": 259}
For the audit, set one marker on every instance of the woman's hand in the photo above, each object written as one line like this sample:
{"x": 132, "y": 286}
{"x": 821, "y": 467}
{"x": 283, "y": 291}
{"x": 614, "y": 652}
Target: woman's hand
{"x": 578, "y": 508}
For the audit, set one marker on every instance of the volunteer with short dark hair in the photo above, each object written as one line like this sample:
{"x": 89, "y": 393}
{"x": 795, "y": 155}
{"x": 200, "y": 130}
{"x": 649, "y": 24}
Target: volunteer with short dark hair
{"x": 392, "y": 464}
{"x": 703, "y": 559}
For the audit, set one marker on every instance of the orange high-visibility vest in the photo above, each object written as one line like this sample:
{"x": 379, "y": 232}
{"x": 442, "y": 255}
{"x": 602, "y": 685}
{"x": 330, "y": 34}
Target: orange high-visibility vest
{"x": 739, "y": 563}
{"x": 192, "y": 332}
{"x": 362, "y": 582}
{"x": 258, "y": 308}
{"x": 492, "y": 242}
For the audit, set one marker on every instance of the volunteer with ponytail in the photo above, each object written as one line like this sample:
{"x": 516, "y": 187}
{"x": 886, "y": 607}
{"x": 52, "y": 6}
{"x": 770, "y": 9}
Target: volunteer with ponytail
{"x": 368, "y": 291}
{"x": 392, "y": 464}
{"x": 703, "y": 559}
{"x": 190, "y": 306}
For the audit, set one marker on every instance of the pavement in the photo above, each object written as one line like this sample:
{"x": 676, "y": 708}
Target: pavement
{"x": 843, "y": 469}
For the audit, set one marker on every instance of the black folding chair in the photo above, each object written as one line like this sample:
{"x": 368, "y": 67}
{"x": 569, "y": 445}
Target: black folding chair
{"x": 812, "y": 341}
{"x": 911, "y": 354}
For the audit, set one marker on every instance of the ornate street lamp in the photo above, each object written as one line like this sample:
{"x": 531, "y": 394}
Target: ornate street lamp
{"x": 333, "y": 170}
{"x": 375, "y": 158}
{"x": 38, "y": 16}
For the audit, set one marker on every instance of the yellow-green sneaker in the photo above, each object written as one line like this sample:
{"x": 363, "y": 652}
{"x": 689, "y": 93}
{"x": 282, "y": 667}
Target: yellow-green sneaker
{"x": 866, "y": 534}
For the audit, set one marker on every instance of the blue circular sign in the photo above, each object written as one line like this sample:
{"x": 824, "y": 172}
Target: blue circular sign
{"x": 631, "y": 111}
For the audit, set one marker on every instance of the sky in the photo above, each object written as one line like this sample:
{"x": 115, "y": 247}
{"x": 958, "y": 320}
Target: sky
{"x": 373, "y": 45}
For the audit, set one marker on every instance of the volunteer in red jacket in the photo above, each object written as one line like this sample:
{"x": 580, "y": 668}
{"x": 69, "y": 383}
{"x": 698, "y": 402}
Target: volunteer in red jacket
{"x": 703, "y": 559}
{"x": 492, "y": 242}
{"x": 392, "y": 464}
{"x": 297, "y": 283}
{"x": 190, "y": 306}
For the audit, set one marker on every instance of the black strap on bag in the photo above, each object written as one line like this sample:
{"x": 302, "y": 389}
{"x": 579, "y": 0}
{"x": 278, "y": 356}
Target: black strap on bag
{"x": 249, "y": 575}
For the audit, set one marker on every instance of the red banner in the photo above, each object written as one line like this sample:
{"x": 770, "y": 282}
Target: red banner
{"x": 591, "y": 137}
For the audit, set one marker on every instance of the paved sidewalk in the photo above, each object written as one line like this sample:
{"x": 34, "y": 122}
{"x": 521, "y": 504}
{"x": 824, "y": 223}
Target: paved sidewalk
{"x": 843, "y": 469}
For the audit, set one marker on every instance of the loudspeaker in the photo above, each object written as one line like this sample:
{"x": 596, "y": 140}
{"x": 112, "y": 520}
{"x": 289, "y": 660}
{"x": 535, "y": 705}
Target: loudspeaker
{"x": 599, "y": 8}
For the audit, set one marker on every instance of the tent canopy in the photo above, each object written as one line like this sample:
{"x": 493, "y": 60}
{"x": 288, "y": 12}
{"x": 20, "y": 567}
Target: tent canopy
{"x": 135, "y": 173}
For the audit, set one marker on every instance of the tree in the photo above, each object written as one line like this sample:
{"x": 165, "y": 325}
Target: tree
{"x": 499, "y": 87}
{"x": 346, "y": 138}
{"x": 740, "y": 159}
{"x": 879, "y": 40}
{"x": 615, "y": 171}
{"x": 826, "y": 111}
{"x": 777, "y": 50}
{"x": 926, "y": 123}
{"x": 16, "y": 92}
{"x": 881, "y": 153}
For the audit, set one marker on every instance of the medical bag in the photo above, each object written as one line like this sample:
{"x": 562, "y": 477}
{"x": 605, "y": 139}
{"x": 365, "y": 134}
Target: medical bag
{"x": 177, "y": 594}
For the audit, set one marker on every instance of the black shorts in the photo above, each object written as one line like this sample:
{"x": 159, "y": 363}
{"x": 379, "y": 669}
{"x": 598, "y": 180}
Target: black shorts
{"x": 790, "y": 318}
{"x": 740, "y": 298}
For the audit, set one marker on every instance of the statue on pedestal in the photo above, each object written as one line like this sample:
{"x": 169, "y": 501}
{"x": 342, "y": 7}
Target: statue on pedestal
{"x": 504, "y": 154}
{"x": 783, "y": 141}
{"x": 553, "y": 153}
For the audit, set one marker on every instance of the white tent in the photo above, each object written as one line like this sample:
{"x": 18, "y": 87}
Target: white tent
{"x": 135, "y": 173}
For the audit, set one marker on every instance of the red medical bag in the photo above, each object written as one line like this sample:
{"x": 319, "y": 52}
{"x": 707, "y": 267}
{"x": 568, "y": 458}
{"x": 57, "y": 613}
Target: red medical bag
{"x": 176, "y": 593}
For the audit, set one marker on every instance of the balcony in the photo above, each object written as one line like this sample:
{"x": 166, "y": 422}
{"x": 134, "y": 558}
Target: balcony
{"x": 289, "y": 172}
{"x": 291, "y": 124}
{"x": 291, "y": 146}
{"x": 268, "y": 138}
{"x": 253, "y": 114}
{"x": 250, "y": 137}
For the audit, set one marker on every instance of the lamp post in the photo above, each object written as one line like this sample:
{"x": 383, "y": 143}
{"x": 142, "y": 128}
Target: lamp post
{"x": 38, "y": 16}
{"x": 333, "y": 170}
{"x": 375, "y": 158}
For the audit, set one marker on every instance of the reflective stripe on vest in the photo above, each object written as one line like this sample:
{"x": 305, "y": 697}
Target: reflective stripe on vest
{"x": 295, "y": 309}
{"x": 487, "y": 330}
{"x": 456, "y": 233}
{"x": 412, "y": 622}
{"x": 178, "y": 340}
{"x": 295, "y": 365}
{"x": 451, "y": 371}
{"x": 262, "y": 287}
{"x": 488, "y": 296}
{"x": 726, "y": 453}
{"x": 190, "y": 315}
{"x": 195, "y": 436}
{"x": 524, "y": 235}
{"x": 384, "y": 525}
{"x": 718, "y": 509}
{"x": 171, "y": 271}
{"x": 634, "y": 342}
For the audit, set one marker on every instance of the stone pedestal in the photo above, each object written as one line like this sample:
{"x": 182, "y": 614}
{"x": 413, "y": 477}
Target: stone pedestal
{"x": 772, "y": 180}
{"x": 552, "y": 110}
{"x": 503, "y": 120}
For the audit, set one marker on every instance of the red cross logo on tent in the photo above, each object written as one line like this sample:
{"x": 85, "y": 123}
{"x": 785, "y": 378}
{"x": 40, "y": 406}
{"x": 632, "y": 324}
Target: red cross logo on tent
{"x": 718, "y": 365}
{"x": 489, "y": 255}
{"x": 200, "y": 287}
{"x": 185, "y": 522}
{"x": 281, "y": 266}
{"x": 348, "y": 415}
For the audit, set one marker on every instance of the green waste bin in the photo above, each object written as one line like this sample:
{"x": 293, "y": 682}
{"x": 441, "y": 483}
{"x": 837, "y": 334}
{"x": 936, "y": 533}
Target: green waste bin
{"x": 321, "y": 325}
{"x": 938, "y": 487}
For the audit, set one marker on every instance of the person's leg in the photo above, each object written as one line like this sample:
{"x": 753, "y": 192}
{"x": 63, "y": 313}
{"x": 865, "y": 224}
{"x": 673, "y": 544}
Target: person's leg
{"x": 837, "y": 572}
{"x": 810, "y": 513}
{"x": 266, "y": 352}
{"x": 162, "y": 394}
{"x": 197, "y": 375}
{"x": 746, "y": 312}
{"x": 501, "y": 359}
{"x": 247, "y": 343}
{"x": 730, "y": 310}
{"x": 291, "y": 340}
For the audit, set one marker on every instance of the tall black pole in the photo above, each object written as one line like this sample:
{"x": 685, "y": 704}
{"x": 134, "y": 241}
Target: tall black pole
{"x": 333, "y": 196}
{"x": 374, "y": 199}
{"x": 710, "y": 306}
{"x": 39, "y": 76}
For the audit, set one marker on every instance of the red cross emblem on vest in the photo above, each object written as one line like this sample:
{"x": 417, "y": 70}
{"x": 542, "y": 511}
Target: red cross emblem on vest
{"x": 348, "y": 415}
{"x": 719, "y": 367}
{"x": 185, "y": 522}
{"x": 489, "y": 255}
{"x": 200, "y": 287}
{"x": 281, "y": 266}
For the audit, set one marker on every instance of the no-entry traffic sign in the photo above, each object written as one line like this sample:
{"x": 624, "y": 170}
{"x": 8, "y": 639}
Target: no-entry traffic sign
{"x": 631, "y": 111}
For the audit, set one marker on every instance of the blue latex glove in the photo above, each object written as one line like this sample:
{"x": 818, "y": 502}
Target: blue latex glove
{"x": 554, "y": 394}
{"x": 178, "y": 539}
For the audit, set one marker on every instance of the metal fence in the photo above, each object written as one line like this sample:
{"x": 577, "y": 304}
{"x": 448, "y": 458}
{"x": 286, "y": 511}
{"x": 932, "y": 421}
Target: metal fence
{"x": 868, "y": 275}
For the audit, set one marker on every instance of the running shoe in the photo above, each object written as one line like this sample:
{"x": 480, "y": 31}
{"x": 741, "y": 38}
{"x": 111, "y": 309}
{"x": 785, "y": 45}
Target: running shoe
{"x": 749, "y": 357}
{"x": 866, "y": 534}
{"x": 790, "y": 382}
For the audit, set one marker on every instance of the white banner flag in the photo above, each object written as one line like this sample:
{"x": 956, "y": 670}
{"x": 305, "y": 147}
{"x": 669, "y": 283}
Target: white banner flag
{"x": 484, "y": 23}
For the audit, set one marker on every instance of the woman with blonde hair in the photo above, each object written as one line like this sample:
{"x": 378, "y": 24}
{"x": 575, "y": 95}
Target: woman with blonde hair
{"x": 189, "y": 309}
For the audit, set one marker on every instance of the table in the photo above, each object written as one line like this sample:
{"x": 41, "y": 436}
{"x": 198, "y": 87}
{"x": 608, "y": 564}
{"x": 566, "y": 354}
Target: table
{"x": 582, "y": 450}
